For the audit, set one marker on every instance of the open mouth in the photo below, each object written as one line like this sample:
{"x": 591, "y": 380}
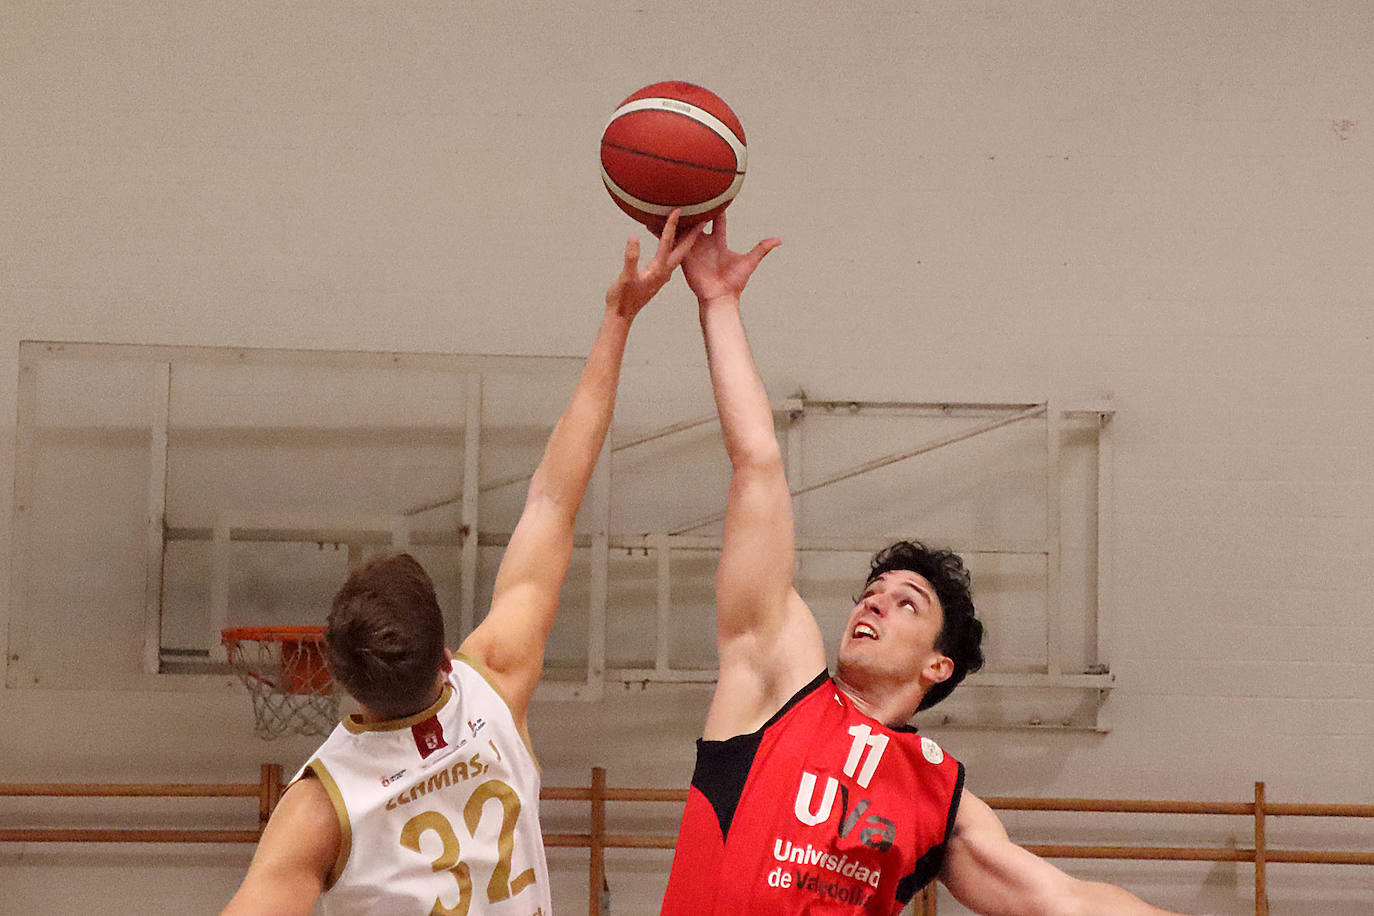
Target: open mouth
{"x": 865, "y": 631}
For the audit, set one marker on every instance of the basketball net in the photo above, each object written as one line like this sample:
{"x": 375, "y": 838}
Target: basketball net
{"x": 287, "y": 679}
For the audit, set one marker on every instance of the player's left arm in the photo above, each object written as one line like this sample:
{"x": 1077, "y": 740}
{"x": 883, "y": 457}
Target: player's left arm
{"x": 509, "y": 643}
{"x": 991, "y": 875}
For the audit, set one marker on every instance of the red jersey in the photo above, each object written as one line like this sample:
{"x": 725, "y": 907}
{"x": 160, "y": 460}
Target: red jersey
{"x": 822, "y": 810}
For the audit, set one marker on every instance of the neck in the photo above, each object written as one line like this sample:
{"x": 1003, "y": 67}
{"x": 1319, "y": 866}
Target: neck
{"x": 368, "y": 714}
{"x": 892, "y": 707}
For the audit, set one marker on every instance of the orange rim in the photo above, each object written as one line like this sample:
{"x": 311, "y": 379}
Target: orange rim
{"x": 272, "y": 634}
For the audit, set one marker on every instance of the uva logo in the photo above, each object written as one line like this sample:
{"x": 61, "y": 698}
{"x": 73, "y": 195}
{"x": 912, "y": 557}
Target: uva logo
{"x": 877, "y": 832}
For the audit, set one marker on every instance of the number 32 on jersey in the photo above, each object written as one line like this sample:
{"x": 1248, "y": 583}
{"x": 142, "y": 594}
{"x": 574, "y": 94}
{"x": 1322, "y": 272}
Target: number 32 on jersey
{"x": 500, "y": 886}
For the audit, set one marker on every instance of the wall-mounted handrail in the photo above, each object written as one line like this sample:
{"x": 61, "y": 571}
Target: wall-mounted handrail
{"x": 598, "y": 838}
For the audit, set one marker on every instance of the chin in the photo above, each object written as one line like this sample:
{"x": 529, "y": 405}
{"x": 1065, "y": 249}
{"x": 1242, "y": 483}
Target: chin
{"x": 848, "y": 668}
{"x": 853, "y": 653}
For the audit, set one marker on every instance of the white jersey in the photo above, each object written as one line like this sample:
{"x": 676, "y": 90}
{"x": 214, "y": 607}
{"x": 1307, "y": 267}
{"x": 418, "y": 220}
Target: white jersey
{"x": 438, "y": 812}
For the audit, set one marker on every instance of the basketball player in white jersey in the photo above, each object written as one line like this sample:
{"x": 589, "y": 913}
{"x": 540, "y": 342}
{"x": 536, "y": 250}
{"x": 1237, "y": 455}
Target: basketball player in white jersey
{"x": 427, "y": 800}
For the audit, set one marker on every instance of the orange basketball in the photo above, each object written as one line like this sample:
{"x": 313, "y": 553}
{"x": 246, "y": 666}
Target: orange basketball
{"x": 673, "y": 145}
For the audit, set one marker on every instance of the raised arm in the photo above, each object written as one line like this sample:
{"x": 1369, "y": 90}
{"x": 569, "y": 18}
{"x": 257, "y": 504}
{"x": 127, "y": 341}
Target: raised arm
{"x": 767, "y": 642}
{"x": 510, "y": 641}
{"x": 991, "y": 875}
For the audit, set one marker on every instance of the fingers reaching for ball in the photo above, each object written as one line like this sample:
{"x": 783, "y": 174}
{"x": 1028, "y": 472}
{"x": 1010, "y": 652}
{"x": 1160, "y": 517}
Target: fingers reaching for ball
{"x": 634, "y": 287}
{"x": 670, "y": 251}
{"x": 714, "y": 272}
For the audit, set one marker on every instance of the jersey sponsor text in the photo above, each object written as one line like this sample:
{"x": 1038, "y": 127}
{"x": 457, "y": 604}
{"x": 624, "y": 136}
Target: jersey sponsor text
{"x": 453, "y": 775}
{"x": 787, "y": 851}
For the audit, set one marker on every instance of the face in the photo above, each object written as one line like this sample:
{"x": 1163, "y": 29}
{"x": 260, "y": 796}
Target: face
{"x": 892, "y": 630}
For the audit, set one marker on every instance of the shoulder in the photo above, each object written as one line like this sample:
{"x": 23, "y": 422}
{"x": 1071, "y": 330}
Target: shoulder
{"x": 305, "y": 806}
{"x": 931, "y": 750}
{"x": 301, "y": 843}
{"x": 737, "y": 709}
{"x": 470, "y": 673}
{"x": 948, "y": 771}
{"x": 938, "y": 778}
{"x": 976, "y": 818}
{"x": 291, "y": 867}
{"x": 511, "y": 667}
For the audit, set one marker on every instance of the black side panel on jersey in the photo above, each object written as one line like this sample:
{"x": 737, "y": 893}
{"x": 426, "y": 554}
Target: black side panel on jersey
{"x": 722, "y": 767}
{"x": 928, "y": 866}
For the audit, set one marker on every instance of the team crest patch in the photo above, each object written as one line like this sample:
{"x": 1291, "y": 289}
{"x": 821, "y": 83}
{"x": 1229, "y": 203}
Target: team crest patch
{"x": 429, "y": 736}
{"x": 932, "y": 751}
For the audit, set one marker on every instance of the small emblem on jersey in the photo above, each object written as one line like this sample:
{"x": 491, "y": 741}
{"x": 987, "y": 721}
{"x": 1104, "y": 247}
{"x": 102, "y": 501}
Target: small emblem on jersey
{"x": 476, "y": 726}
{"x": 388, "y": 780}
{"x": 429, "y": 736}
{"x": 932, "y": 751}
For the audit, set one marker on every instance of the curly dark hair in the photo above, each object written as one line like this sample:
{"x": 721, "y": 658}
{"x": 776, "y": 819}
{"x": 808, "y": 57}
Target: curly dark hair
{"x": 384, "y": 641}
{"x": 961, "y": 634}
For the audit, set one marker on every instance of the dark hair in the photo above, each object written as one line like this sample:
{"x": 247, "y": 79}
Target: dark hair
{"x": 385, "y": 637}
{"x": 961, "y": 634}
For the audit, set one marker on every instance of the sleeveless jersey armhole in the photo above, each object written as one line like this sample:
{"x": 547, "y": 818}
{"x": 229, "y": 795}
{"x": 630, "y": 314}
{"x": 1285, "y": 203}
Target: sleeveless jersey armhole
{"x": 722, "y": 767}
{"x": 486, "y": 675}
{"x": 316, "y": 769}
{"x": 954, "y": 804}
{"x": 928, "y": 866}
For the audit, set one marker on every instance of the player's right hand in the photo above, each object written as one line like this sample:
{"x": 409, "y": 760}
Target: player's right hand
{"x": 633, "y": 289}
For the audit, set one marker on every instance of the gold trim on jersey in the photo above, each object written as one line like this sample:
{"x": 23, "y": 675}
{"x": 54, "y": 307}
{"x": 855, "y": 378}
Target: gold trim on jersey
{"x": 357, "y": 726}
{"x": 331, "y": 788}
{"x": 481, "y": 669}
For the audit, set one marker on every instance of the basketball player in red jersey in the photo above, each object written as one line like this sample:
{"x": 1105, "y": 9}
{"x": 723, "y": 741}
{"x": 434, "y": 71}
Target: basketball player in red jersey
{"x": 811, "y": 793}
{"x": 437, "y": 761}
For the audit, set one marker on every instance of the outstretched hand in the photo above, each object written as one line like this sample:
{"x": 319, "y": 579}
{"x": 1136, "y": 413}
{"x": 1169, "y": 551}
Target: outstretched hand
{"x": 633, "y": 289}
{"x": 713, "y": 271}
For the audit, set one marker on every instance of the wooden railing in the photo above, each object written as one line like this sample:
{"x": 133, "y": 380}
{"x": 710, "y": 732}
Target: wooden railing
{"x": 598, "y": 840}
{"x": 1261, "y": 854}
{"x": 267, "y": 791}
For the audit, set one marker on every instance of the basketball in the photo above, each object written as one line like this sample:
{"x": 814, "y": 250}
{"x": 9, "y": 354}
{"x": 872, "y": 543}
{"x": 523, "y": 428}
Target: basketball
{"x": 673, "y": 145}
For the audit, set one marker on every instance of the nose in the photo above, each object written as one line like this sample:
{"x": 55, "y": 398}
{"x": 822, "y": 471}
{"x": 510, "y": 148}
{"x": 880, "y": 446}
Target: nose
{"x": 873, "y": 604}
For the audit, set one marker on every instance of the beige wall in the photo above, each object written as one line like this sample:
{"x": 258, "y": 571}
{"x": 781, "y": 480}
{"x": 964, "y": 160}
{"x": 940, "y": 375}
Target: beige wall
{"x": 1168, "y": 203}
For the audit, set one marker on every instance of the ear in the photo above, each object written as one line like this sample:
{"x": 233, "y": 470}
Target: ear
{"x": 938, "y": 668}
{"x": 447, "y": 664}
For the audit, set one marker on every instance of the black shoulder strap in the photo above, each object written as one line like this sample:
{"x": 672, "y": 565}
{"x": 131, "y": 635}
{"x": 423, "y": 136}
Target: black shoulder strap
{"x": 722, "y": 767}
{"x": 928, "y": 866}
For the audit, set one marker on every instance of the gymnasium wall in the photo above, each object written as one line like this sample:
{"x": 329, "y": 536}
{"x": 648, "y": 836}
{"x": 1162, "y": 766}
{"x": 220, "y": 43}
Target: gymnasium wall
{"x": 1166, "y": 203}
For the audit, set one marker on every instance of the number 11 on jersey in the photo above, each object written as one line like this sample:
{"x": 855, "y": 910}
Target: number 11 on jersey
{"x": 864, "y": 740}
